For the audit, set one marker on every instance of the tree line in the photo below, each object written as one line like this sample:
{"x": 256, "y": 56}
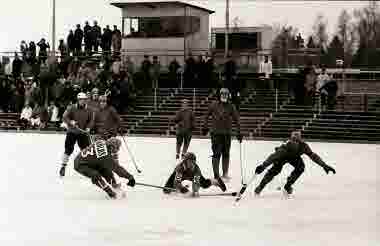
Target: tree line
{"x": 356, "y": 41}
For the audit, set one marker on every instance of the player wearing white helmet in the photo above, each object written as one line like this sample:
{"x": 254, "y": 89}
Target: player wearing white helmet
{"x": 79, "y": 121}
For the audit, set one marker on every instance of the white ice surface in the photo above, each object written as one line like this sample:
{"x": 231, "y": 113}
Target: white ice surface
{"x": 38, "y": 208}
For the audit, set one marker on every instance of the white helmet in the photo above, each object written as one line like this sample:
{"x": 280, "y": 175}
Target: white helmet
{"x": 81, "y": 95}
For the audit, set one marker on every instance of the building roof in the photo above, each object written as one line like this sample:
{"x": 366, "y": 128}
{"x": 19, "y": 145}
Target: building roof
{"x": 152, "y": 3}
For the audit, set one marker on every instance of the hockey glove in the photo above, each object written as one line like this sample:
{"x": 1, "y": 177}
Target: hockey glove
{"x": 204, "y": 131}
{"x": 239, "y": 137}
{"x": 259, "y": 169}
{"x": 184, "y": 190}
{"x": 329, "y": 169}
{"x": 131, "y": 182}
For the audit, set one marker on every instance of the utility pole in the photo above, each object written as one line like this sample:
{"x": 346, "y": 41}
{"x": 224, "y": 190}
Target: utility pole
{"x": 227, "y": 28}
{"x": 53, "y": 31}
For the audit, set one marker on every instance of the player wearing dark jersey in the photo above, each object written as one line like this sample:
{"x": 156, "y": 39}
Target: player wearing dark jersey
{"x": 223, "y": 113}
{"x": 79, "y": 121}
{"x": 98, "y": 162}
{"x": 291, "y": 153}
{"x": 107, "y": 120}
{"x": 187, "y": 169}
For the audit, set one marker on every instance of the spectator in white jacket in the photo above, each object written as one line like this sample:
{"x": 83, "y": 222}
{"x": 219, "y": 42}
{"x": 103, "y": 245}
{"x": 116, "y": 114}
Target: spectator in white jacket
{"x": 26, "y": 115}
{"x": 266, "y": 69}
{"x": 53, "y": 113}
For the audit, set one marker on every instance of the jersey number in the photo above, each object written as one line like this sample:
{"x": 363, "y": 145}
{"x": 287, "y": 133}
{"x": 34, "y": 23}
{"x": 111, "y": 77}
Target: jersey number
{"x": 99, "y": 149}
{"x": 87, "y": 151}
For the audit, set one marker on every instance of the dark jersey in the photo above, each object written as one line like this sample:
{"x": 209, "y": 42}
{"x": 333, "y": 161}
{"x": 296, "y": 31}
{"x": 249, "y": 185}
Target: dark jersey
{"x": 101, "y": 154}
{"x": 82, "y": 115}
{"x": 106, "y": 120}
{"x": 222, "y": 115}
{"x": 185, "y": 120}
{"x": 183, "y": 173}
{"x": 290, "y": 151}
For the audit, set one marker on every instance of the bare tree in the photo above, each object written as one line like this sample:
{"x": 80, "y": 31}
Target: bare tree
{"x": 367, "y": 25}
{"x": 320, "y": 35}
{"x": 346, "y": 34}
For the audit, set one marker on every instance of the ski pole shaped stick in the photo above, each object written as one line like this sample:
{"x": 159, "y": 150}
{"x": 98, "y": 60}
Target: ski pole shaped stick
{"x": 131, "y": 155}
{"x": 244, "y": 188}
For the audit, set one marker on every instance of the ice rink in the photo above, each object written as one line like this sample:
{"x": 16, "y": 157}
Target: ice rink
{"x": 39, "y": 208}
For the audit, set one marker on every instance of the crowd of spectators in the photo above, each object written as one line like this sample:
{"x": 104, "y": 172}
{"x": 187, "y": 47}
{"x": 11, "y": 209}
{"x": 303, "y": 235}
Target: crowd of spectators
{"x": 40, "y": 86}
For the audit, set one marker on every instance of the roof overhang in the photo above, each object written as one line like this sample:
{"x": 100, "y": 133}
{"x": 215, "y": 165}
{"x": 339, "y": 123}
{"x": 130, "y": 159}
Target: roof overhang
{"x": 153, "y": 4}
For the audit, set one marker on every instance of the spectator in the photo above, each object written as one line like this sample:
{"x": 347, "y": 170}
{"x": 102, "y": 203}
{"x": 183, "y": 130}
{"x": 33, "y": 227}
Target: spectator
{"x": 156, "y": 68}
{"x": 116, "y": 40}
{"x": 26, "y": 115}
{"x": 87, "y": 38}
{"x": 23, "y": 49}
{"x": 322, "y": 80}
{"x": 146, "y": 67}
{"x": 209, "y": 72}
{"x": 28, "y": 90}
{"x": 42, "y": 54}
{"x": 53, "y": 114}
{"x": 199, "y": 71}
{"x": 310, "y": 84}
{"x": 16, "y": 66}
{"x": 71, "y": 42}
{"x": 19, "y": 95}
{"x": 116, "y": 66}
{"x": 173, "y": 73}
{"x": 7, "y": 67}
{"x": 189, "y": 72}
{"x": 32, "y": 53}
{"x": 78, "y": 38}
{"x": 62, "y": 49}
{"x": 230, "y": 71}
{"x": 265, "y": 68}
{"x": 107, "y": 36}
{"x": 96, "y": 34}
{"x": 128, "y": 66}
{"x": 5, "y": 95}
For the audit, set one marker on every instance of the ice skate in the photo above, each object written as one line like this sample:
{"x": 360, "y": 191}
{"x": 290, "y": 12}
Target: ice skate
{"x": 111, "y": 194}
{"x": 120, "y": 193}
{"x": 287, "y": 192}
{"x": 219, "y": 182}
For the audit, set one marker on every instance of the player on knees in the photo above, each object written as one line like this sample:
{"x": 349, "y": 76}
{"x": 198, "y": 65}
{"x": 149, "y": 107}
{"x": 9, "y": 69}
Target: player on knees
{"x": 289, "y": 152}
{"x": 98, "y": 162}
{"x": 187, "y": 169}
{"x": 79, "y": 120}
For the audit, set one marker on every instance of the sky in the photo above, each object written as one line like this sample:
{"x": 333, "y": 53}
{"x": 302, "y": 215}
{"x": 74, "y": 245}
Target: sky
{"x": 31, "y": 20}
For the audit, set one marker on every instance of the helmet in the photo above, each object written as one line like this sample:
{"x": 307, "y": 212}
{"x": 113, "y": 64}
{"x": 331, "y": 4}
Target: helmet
{"x": 224, "y": 94}
{"x": 190, "y": 156}
{"x": 81, "y": 95}
{"x": 115, "y": 144}
{"x": 95, "y": 91}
